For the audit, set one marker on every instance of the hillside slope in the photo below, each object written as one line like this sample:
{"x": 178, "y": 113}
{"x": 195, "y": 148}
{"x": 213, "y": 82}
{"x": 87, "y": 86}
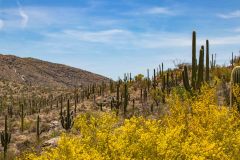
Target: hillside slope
{"x": 37, "y": 72}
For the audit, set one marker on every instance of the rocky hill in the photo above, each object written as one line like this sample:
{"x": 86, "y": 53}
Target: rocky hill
{"x": 42, "y": 73}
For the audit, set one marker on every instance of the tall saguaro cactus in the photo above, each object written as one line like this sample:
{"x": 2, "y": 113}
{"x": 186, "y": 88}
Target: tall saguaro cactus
{"x": 235, "y": 80}
{"x": 22, "y": 115}
{"x": 67, "y": 120}
{"x": 154, "y": 80}
{"x": 186, "y": 79}
{"x": 207, "y": 61}
{"x": 194, "y": 61}
{"x": 200, "y": 67}
{"x": 148, "y": 80}
{"x": 126, "y": 97}
{"x": 197, "y": 74}
{"x": 38, "y": 131}
{"x": 5, "y": 138}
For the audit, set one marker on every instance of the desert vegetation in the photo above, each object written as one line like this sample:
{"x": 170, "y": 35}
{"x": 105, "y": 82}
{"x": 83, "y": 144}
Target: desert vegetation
{"x": 187, "y": 112}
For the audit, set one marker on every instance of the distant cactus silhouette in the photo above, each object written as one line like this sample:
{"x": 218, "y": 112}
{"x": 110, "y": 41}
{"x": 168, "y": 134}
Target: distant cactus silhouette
{"x": 5, "y": 138}
{"x": 22, "y": 115}
{"x": 126, "y": 98}
{"x": 67, "y": 120}
{"x": 38, "y": 131}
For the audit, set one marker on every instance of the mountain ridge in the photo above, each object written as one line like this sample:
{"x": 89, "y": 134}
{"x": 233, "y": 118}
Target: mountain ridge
{"x": 33, "y": 71}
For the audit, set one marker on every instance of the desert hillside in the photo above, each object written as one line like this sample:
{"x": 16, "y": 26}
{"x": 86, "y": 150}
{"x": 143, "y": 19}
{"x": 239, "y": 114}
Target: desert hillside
{"x": 187, "y": 112}
{"x": 37, "y": 72}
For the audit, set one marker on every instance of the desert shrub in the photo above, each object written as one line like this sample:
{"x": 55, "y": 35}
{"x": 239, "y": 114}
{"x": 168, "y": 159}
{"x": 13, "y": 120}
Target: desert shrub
{"x": 194, "y": 128}
{"x": 222, "y": 72}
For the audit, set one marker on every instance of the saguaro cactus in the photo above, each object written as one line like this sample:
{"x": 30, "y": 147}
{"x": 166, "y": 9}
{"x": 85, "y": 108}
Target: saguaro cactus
{"x": 111, "y": 85}
{"x": 185, "y": 79}
{"x": 162, "y": 68}
{"x": 200, "y": 67}
{"x": 117, "y": 103}
{"x": 22, "y": 115}
{"x": 5, "y": 138}
{"x": 38, "y": 131}
{"x": 10, "y": 110}
{"x": 235, "y": 80}
{"x": 126, "y": 98}
{"x": 207, "y": 61}
{"x": 200, "y": 73}
{"x": 163, "y": 88}
{"x": 148, "y": 80}
{"x": 194, "y": 61}
{"x": 75, "y": 106}
{"x": 67, "y": 120}
{"x": 154, "y": 79}
{"x": 197, "y": 74}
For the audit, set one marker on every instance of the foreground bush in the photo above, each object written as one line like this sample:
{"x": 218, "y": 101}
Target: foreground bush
{"x": 192, "y": 128}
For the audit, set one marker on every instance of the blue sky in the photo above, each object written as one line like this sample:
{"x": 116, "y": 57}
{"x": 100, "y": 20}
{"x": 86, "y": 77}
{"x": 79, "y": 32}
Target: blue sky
{"x": 111, "y": 37}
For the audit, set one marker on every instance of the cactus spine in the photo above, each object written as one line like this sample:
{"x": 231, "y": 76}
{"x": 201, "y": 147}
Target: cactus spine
{"x": 5, "y": 138}
{"x": 67, "y": 120}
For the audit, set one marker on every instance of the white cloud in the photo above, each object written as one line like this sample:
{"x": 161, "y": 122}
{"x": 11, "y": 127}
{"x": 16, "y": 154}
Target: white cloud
{"x": 105, "y": 36}
{"x": 153, "y": 11}
{"x": 236, "y": 29}
{"x": 233, "y": 14}
{"x": 14, "y": 17}
{"x": 229, "y": 40}
{"x": 1, "y": 24}
{"x": 123, "y": 38}
{"x": 158, "y": 10}
{"x": 43, "y": 16}
{"x": 24, "y": 16}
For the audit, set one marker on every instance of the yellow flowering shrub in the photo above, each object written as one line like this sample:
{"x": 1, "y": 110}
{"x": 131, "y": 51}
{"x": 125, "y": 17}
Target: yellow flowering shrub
{"x": 236, "y": 92}
{"x": 192, "y": 128}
